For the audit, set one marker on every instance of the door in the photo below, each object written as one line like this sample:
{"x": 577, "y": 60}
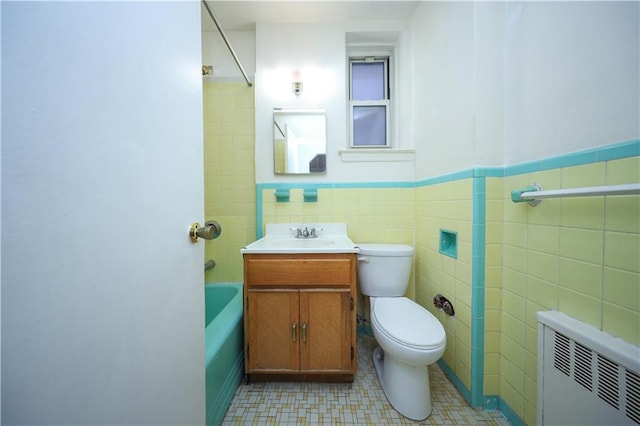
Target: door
{"x": 274, "y": 331}
{"x": 102, "y": 291}
{"x": 325, "y": 317}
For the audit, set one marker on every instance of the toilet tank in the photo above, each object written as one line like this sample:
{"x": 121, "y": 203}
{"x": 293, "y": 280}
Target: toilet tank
{"x": 384, "y": 269}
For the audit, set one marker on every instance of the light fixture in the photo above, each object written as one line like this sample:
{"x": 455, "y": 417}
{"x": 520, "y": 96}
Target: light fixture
{"x": 296, "y": 82}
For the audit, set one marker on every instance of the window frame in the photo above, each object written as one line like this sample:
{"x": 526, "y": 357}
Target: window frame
{"x": 386, "y": 59}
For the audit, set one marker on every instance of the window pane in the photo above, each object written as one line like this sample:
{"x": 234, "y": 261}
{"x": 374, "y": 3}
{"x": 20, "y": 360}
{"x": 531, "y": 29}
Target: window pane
{"x": 370, "y": 125}
{"x": 367, "y": 80}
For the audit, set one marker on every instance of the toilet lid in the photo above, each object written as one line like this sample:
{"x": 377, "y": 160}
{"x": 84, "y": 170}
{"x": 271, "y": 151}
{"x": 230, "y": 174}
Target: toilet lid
{"x": 387, "y": 250}
{"x": 408, "y": 323}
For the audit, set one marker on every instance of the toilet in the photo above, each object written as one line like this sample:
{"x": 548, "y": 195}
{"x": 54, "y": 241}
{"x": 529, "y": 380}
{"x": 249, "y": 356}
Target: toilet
{"x": 410, "y": 337}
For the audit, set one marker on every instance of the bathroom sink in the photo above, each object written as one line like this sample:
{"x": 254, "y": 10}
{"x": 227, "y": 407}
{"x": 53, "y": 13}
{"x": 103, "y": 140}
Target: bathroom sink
{"x": 302, "y": 243}
{"x": 281, "y": 238}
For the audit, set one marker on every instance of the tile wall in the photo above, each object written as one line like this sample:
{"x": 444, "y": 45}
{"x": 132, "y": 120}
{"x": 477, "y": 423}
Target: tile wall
{"x": 577, "y": 255}
{"x": 371, "y": 214}
{"x": 447, "y": 206}
{"x": 580, "y": 256}
{"x": 230, "y": 189}
{"x": 493, "y": 284}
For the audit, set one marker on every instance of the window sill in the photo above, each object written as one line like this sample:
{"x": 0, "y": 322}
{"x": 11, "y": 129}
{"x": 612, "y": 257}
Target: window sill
{"x": 363, "y": 155}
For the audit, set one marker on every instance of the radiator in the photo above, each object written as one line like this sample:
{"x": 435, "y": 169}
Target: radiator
{"x": 585, "y": 376}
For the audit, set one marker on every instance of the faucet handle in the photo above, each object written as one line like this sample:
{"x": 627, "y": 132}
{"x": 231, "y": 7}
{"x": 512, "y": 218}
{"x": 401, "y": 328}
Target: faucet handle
{"x": 298, "y": 232}
{"x": 313, "y": 232}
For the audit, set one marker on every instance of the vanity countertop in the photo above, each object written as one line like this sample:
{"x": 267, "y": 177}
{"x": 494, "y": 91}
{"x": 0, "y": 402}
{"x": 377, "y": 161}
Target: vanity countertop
{"x": 281, "y": 238}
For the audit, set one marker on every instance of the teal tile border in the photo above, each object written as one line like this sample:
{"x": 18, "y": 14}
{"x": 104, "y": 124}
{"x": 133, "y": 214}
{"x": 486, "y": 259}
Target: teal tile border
{"x": 466, "y": 394}
{"x": 479, "y": 200}
{"x": 491, "y": 402}
{"x": 509, "y": 414}
{"x": 478, "y": 174}
{"x": 495, "y": 403}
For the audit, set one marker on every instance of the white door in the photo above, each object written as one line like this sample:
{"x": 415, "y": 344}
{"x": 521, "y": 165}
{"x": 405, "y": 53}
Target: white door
{"x": 102, "y": 291}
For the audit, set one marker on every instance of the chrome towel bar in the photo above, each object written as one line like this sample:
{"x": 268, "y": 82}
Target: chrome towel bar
{"x": 533, "y": 194}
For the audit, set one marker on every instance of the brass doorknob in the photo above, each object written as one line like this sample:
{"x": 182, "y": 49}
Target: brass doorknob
{"x": 209, "y": 231}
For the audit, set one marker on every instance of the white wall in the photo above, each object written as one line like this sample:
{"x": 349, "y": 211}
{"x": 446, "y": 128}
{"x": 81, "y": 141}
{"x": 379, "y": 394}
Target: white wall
{"x": 481, "y": 84}
{"x": 500, "y": 83}
{"x": 572, "y": 77}
{"x": 458, "y": 75}
{"x": 319, "y": 52}
{"x": 216, "y": 54}
{"x": 443, "y": 82}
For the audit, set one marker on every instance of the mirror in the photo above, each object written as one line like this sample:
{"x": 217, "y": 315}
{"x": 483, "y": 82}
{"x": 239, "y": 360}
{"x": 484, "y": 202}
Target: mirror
{"x": 299, "y": 141}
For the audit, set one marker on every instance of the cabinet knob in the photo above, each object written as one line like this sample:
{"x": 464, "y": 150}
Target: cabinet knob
{"x": 294, "y": 331}
{"x": 304, "y": 331}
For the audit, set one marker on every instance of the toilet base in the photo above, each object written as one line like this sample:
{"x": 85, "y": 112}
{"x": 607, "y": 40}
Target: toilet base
{"x": 405, "y": 386}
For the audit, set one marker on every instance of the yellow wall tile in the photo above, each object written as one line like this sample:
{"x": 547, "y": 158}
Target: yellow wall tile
{"x": 543, "y": 238}
{"x": 622, "y": 288}
{"x": 515, "y": 234}
{"x": 580, "y": 306}
{"x": 512, "y": 351}
{"x": 513, "y": 375}
{"x": 626, "y": 170}
{"x": 542, "y": 292}
{"x": 514, "y": 281}
{"x": 543, "y": 266}
{"x": 491, "y": 384}
{"x": 621, "y": 322}
{"x": 515, "y": 258}
{"x": 581, "y": 277}
{"x": 512, "y": 395}
{"x": 546, "y": 213}
{"x": 622, "y": 251}
{"x": 512, "y": 327}
{"x": 493, "y": 299}
{"x": 585, "y": 212}
{"x": 229, "y": 170}
{"x": 581, "y": 244}
{"x": 622, "y": 214}
{"x": 530, "y": 363}
{"x": 531, "y": 309}
{"x": 513, "y": 305}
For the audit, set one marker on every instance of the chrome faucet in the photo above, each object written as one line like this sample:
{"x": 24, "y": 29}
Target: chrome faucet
{"x": 306, "y": 232}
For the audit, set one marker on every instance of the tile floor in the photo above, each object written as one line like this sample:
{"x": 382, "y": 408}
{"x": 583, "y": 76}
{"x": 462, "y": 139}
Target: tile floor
{"x": 359, "y": 403}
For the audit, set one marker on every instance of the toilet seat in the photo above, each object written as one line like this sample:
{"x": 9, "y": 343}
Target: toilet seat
{"x": 407, "y": 323}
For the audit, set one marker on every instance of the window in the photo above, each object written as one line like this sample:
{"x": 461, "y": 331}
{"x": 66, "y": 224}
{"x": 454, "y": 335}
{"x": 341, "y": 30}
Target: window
{"x": 369, "y": 102}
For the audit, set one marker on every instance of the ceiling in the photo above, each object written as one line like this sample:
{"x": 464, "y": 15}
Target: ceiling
{"x": 240, "y": 15}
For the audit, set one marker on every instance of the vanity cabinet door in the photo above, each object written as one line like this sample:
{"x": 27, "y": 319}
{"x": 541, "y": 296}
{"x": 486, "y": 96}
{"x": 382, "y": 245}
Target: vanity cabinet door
{"x": 299, "y": 317}
{"x": 326, "y": 331}
{"x": 273, "y": 331}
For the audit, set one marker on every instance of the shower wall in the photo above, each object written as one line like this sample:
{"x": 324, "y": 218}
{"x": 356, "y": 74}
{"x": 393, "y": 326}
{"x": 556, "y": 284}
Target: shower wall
{"x": 229, "y": 174}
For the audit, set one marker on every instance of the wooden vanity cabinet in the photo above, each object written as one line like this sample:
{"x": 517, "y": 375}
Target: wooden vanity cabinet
{"x": 300, "y": 317}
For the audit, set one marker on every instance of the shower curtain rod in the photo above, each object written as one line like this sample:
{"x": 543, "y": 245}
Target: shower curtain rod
{"x": 226, "y": 41}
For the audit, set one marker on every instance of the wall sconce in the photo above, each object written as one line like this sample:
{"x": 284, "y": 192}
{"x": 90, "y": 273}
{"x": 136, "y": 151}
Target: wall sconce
{"x": 296, "y": 83}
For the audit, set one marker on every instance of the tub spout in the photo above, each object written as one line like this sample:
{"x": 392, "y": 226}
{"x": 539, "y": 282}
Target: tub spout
{"x": 209, "y": 264}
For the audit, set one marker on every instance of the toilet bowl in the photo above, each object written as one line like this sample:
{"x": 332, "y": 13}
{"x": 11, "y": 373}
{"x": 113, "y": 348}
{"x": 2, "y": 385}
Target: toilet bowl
{"x": 410, "y": 337}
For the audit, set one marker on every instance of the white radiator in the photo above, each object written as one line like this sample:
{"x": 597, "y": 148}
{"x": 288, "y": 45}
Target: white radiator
{"x": 585, "y": 376}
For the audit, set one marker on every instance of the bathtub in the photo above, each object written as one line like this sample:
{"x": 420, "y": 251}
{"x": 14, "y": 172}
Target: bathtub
{"x": 224, "y": 343}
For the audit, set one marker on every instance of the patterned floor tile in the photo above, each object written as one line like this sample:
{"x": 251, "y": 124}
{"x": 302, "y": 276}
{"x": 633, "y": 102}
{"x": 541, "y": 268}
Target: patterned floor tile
{"x": 359, "y": 403}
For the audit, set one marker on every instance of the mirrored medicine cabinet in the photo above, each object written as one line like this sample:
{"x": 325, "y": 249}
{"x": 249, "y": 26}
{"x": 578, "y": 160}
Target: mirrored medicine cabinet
{"x": 299, "y": 141}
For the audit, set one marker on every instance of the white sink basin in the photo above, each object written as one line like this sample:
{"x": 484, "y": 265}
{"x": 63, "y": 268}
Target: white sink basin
{"x": 302, "y": 243}
{"x": 280, "y": 238}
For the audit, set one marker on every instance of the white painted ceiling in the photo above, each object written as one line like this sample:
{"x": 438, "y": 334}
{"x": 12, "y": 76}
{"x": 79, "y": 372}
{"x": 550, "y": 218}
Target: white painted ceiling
{"x": 241, "y": 15}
